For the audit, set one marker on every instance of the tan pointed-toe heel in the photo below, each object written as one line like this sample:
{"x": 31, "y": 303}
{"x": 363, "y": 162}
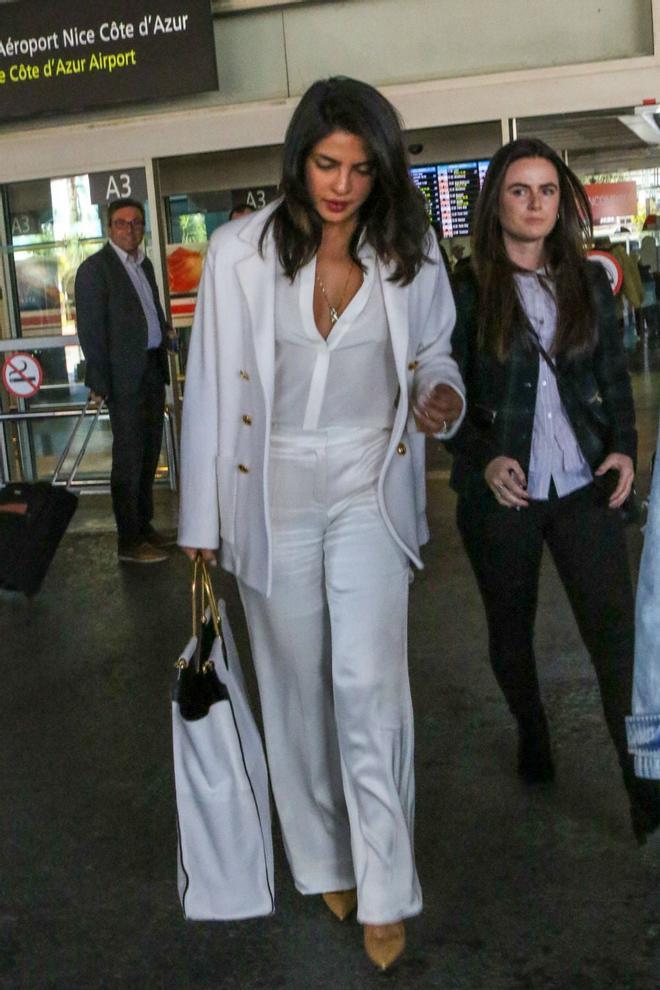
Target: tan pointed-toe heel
{"x": 384, "y": 943}
{"x": 341, "y": 902}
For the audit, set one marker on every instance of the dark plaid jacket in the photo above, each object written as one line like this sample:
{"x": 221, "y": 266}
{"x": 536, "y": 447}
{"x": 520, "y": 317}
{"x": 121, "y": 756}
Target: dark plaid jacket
{"x": 595, "y": 392}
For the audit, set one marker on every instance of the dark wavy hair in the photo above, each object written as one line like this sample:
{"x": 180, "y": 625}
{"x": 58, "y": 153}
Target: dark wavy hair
{"x": 393, "y": 218}
{"x": 500, "y": 313}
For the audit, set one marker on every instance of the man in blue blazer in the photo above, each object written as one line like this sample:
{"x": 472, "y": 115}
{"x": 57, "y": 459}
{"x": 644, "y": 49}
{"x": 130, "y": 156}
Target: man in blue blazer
{"x": 123, "y": 333}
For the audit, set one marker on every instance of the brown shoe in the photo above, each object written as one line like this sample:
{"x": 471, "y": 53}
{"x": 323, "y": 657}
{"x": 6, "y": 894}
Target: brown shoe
{"x": 141, "y": 553}
{"x": 158, "y": 540}
{"x": 384, "y": 943}
{"x": 341, "y": 902}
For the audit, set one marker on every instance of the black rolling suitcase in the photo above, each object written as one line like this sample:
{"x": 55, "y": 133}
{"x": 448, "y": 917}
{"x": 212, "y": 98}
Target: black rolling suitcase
{"x": 33, "y": 519}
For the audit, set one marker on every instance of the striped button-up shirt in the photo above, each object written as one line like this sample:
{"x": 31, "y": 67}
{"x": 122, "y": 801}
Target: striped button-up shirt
{"x": 555, "y": 454}
{"x": 140, "y": 281}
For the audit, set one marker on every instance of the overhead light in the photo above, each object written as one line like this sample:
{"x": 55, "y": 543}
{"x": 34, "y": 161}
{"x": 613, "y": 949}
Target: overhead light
{"x": 645, "y": 123}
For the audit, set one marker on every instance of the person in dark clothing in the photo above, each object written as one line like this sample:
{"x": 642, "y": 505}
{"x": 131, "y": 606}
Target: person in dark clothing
{"x": 123, "y": 335}
{"x": 546, "y": 453}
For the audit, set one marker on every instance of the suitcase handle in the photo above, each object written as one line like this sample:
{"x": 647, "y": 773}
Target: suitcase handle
{"x": 81, "y": 453}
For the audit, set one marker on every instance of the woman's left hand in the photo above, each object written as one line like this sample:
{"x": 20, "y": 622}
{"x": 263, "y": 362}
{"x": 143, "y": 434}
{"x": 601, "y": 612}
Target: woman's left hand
{"x": 623, "y": 465}
{"x": 437, "y": 411}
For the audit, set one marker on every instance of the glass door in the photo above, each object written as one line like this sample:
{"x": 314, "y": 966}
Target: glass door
{"x": 190, "y": 219}
{"x": 197, "y": 193}
{"x": 51, "y": 226}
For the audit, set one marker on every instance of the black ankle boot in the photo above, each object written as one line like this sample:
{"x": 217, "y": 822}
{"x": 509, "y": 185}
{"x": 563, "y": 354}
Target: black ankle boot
{"x": 535, "y": 763}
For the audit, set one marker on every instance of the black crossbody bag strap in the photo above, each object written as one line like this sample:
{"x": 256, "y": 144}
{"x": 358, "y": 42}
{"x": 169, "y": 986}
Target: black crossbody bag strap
{"x": 598, "y": 427}
{"x": 631, "y": 510}
{"x": 536, "y": 341}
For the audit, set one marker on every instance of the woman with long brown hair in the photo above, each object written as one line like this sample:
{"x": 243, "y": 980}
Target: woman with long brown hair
{"x": 546, "y": 454}
{"x": 322, "y": 328}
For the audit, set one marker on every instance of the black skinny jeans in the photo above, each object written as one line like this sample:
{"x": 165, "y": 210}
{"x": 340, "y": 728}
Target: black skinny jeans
{"x": 587, "y": 543}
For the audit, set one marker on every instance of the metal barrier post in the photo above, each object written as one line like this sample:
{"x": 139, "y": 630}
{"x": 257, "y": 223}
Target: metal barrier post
{"x": 99, "y": 486}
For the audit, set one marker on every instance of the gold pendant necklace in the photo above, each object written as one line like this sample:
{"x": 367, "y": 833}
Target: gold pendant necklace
{"x": 335, "y": 311}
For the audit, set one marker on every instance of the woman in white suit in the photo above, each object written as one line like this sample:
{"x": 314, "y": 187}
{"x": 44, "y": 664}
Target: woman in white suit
{"x": 320, "y": 356}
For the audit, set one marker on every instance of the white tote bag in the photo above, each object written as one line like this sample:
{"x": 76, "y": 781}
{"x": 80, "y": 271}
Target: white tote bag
{"x": 225, "y": 854}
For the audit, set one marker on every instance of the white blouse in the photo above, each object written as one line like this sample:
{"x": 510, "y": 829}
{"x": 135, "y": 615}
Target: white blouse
{"x": 347, "y": 380}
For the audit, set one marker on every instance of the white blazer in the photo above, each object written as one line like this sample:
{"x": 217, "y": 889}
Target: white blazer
{"x": 229, "y": 398}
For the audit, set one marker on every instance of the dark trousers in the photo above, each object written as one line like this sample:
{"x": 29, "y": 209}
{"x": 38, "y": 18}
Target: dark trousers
{"x": 587, "y": 543}
{"x": 137, "y": 432}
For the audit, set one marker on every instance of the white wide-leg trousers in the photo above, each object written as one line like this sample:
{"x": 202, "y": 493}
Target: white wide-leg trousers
{"x": 330, "y": 651}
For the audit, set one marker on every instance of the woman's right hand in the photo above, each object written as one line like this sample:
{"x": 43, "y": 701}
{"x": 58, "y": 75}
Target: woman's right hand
{"x": 209, "y": 556}
{"x": 506, "y": 480}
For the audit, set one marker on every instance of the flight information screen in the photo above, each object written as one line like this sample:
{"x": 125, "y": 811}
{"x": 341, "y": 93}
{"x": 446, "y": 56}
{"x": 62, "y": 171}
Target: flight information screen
{"x": 451, "y": 191}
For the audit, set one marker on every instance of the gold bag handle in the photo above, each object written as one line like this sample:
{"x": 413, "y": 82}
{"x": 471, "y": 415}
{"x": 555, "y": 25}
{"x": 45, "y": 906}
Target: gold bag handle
{"x": 203, "y": 596}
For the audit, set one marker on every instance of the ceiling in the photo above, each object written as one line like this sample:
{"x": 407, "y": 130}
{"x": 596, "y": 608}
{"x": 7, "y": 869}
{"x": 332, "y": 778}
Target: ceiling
{"x": 595, "y": 141}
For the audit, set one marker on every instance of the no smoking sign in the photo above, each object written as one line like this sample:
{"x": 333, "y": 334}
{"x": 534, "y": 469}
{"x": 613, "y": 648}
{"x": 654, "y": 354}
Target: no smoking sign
{"x": 612, "y": 267}
{"x": 22, "y": 375}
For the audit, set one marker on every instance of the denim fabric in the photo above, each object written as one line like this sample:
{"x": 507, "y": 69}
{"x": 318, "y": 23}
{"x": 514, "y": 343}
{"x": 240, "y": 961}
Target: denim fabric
{"x": 644, "y": 724}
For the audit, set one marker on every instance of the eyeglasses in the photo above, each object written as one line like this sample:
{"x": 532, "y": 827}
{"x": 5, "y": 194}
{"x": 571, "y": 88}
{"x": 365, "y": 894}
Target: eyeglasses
{"x": 128, "y": 224}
